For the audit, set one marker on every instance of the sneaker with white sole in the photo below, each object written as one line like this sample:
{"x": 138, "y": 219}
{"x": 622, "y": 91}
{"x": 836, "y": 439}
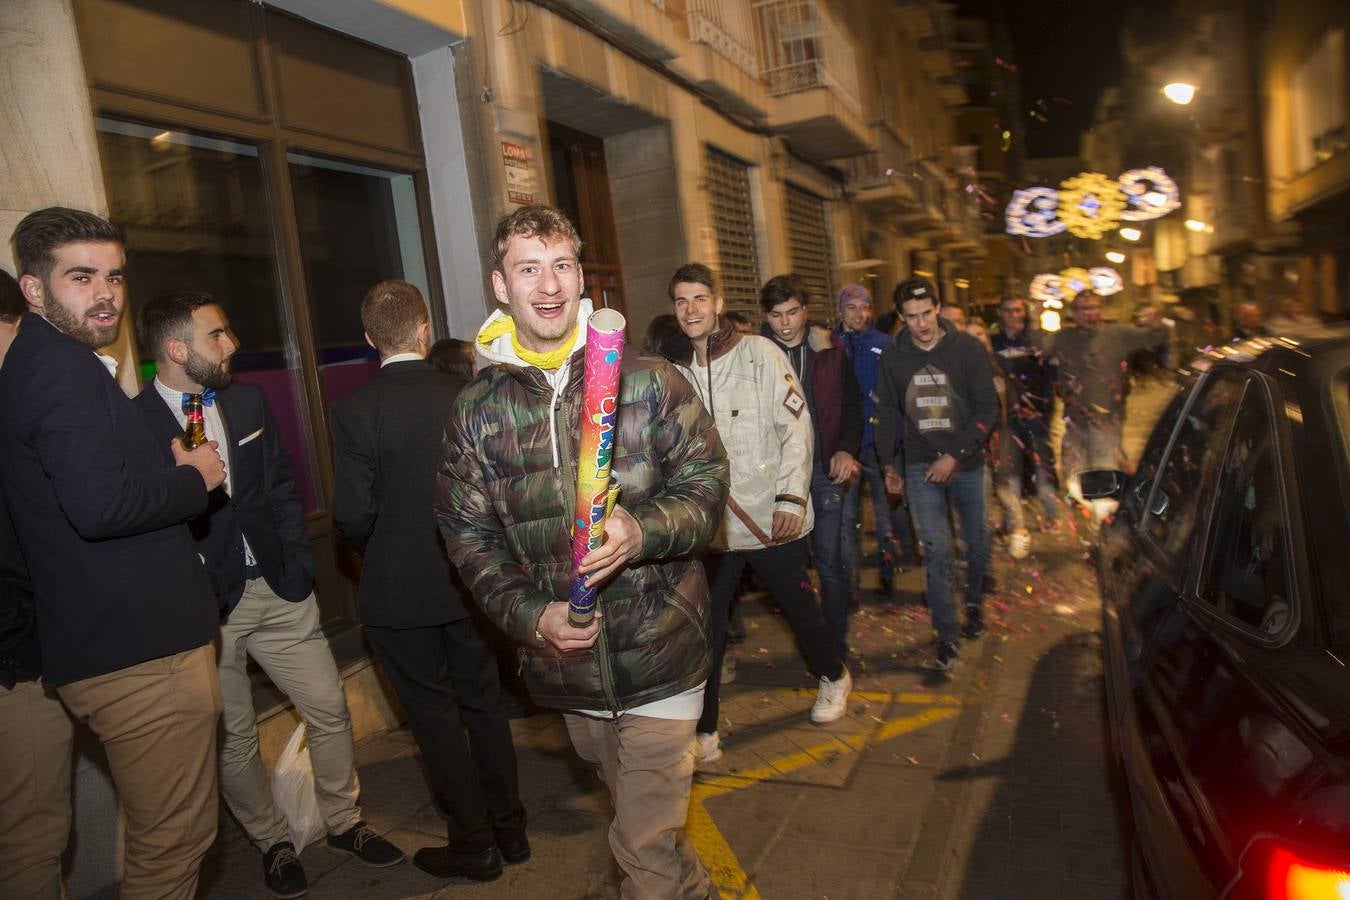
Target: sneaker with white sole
{"x": 728, "y": 670}
{"x": 709, "y": 748}
{"x": 832, "y": 699}
{"x": 1019, "y": 544}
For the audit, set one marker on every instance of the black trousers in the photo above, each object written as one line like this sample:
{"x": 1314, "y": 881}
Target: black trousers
{"x": 782, "y": 568}
{"x": 446, "y": 679}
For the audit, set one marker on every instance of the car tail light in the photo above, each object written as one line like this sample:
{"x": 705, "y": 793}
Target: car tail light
{"x": 1295, "y": 877}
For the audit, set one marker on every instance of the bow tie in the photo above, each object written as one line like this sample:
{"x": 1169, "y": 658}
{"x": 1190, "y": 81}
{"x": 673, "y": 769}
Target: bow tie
{"x": 208, "y": 398}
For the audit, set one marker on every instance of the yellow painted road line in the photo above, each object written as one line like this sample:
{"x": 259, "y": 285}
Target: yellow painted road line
{"x": 725, "y": 869}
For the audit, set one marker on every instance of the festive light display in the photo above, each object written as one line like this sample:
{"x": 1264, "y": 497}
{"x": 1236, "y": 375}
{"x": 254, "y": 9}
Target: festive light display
{"x": 1090, "y": 204}
{"x": 1151, "y": 194}
{"x": 1054, "y": 290}
{"x": 1105, "y": 281}
{"x": 1032, "y": 212}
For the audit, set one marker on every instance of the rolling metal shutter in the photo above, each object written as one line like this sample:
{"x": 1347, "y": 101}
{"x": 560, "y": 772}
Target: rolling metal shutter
{"x": 734, "y": 227}
{"x": 809, "y": 244}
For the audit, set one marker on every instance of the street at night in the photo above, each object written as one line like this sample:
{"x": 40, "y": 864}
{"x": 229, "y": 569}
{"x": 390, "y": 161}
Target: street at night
{"x": 675, "y": 449}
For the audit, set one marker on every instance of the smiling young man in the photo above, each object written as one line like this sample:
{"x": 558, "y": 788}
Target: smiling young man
{"x": 254, "y": 543}
{"x": 835, "y": 402}
{"x": 125, "y": 611}
{"x": 939, "y": 382}
{"x": 746, "y": 383}
{"x": 630, "y": 684}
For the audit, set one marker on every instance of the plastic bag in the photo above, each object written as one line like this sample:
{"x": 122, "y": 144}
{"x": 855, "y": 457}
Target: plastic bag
{"x": 293, "y": 791}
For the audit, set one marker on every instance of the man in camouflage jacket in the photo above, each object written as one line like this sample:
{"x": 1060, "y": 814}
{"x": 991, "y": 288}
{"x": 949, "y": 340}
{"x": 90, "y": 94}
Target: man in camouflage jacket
{"x": 631, "y": 682}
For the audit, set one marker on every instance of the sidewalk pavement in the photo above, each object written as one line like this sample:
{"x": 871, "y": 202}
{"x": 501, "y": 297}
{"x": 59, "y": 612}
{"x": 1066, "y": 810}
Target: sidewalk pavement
{"x": 991, "y": 782}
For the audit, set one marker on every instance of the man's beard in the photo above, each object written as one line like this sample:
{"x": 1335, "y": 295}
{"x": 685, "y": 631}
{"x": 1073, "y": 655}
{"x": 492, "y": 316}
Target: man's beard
{"x": 81, "y": 327}
{"x": 213, "y": 375}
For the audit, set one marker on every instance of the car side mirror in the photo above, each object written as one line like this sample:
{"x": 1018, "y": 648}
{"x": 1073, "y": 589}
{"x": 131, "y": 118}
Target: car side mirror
{"x": 1102, "y": 484}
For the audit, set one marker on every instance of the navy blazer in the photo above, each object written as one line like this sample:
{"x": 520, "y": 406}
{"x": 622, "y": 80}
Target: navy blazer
{"x": 264, "y": 506}
{"x": 386, "y": 446}
{"x": 99, "y": 508}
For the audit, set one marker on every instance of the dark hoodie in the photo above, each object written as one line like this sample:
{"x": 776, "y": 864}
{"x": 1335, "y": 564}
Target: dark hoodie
{"x": 948, "y": 396}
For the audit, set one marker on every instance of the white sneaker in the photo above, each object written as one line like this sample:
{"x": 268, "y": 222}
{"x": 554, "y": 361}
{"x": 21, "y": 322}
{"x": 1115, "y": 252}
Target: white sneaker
{"x": 728, "y": 669}
{"x": 832, "y": 701}
{"x": 1019, "y": 544}
{"x": 709, "y": 749}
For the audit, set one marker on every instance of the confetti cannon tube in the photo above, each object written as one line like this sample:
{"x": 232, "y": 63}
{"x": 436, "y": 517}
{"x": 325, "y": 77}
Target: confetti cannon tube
{"x": 599, "y": 414}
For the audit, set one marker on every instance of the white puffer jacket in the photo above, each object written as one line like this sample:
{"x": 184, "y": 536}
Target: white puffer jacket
{"x": 761, "y": 415}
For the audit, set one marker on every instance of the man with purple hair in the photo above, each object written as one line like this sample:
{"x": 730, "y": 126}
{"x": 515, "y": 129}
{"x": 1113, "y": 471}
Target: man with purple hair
{"x": 864, "y": 343}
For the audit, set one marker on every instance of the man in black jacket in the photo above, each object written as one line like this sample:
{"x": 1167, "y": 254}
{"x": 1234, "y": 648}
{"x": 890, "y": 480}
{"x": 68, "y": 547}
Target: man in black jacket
{"x": 940, "y": 381}
{"x": 253, "y": 541}
{"x": 125, "y": 614}
{"x": 387, "y": 445}
{"x": 35, "y": 731}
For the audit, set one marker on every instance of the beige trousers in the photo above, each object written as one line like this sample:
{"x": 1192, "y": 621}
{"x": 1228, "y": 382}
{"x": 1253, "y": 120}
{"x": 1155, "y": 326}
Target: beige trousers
{"x": 157, "y": 723}
{"x": 284, "y": 638}
{"x": 35, "y": 754}
{"x": 648, "y": 766}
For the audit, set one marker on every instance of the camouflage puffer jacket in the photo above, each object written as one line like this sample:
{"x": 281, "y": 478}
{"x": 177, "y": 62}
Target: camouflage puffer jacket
{"x": 504, "y": 511}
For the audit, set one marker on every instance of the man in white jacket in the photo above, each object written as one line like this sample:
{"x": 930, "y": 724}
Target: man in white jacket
{"x": 761, "y": 414}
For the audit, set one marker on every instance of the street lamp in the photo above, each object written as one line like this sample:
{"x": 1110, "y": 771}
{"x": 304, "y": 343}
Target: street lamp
{"x": 1131, "y": 234}
{"x": 1179, "y": 92}
{"x": 1115, "y": 256}
{"x": 1196, "y": 225}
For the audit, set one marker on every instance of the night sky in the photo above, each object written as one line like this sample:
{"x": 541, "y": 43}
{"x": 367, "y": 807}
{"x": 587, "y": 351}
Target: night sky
{"x": 1066, "y": 53}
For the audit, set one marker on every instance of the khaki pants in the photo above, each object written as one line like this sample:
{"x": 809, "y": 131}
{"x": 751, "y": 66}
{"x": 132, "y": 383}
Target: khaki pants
{"x": 35, "y": 754}
{"x": 284, "y": 638}
{"x": 648, "y": 766}
{"x": 157, "y": 723}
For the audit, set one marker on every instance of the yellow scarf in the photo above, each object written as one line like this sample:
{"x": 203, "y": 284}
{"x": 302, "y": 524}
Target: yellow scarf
{"x": 547, "y": 361}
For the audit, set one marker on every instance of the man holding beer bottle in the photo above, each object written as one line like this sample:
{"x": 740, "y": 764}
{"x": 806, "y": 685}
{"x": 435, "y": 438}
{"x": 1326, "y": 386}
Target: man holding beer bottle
{"x": 124, "y": 610}
{"x": 256, "y": 549}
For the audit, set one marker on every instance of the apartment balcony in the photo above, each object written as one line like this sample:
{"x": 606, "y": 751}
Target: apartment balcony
{"x": 807, "y": 65}
{"x": 721, "y": 55}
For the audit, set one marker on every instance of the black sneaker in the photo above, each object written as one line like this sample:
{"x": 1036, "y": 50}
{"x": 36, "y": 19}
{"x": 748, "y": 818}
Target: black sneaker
{"x": 282, "y": 872}
{"x": 944, "y": 659}
{"x": 974, "y": 626}
{"x": 362, "y": 842}
{"x": 447, "y": 862}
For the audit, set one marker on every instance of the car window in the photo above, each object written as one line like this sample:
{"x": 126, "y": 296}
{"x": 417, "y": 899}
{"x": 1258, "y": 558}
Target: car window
{"x": 1195, "y": 452}
{"x": 1246, "y": 575}
{"x": 1136, "y": 495}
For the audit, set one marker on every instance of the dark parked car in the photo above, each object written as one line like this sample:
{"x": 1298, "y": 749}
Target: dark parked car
{"x": 1225, "y": 576}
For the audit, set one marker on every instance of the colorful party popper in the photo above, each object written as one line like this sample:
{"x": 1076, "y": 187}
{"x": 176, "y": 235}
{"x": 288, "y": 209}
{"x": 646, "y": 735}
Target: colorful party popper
{"x": 599, "y": 412}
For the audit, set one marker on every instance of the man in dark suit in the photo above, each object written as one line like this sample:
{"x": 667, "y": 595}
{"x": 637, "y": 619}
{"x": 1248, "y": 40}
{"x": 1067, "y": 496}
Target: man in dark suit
{"x": 35, "y": 731}
{"x": 253, "y": 540}
{"x": 125, "y": 613}
{"x": 387, "y": 442}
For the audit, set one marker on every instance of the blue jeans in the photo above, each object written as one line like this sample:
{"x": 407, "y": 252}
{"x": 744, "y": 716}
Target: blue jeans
{"x": 827, "y": 553}
{"x": 1025, "y": 441}
{"x": 891, "y": 523}
{"x": 965, "y": 493}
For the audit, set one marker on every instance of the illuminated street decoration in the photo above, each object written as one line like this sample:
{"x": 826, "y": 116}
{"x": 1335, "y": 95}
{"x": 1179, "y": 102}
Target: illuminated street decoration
{"x": 1054, "y": 290}
{"x": 1151, "y": 194}
{"x": 1090, "y": 204}
{"x": 1105, "y": 281}
{"x": 1032, "y": 213}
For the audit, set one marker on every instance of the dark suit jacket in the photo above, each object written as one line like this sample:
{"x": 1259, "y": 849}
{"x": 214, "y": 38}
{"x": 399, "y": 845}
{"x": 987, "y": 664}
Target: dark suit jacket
{"x": 264, "y": 506}
{"x": 387, "y": 443}
{"x": 20, "y": 658}
{"x": 99, "y": 508}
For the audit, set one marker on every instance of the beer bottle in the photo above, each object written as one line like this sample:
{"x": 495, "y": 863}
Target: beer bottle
{"x": 195, "y": 434}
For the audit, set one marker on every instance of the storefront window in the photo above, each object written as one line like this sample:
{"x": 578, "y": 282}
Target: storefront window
{"x": 358, "y": 226}
{"x": 195, "y": 215}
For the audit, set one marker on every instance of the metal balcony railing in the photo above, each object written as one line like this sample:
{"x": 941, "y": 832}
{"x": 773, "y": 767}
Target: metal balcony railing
{"x": 727, "y": 27}
{"x": 802, "y": 47}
